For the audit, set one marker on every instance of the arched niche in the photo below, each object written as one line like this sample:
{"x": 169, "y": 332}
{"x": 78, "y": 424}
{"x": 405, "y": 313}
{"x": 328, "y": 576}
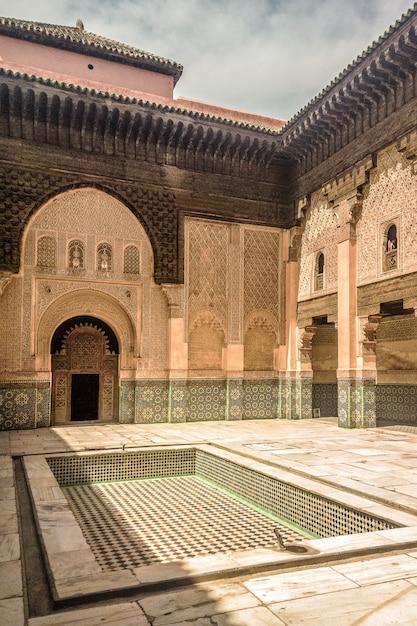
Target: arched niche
{"x": 260, "y": 341}
{"x": 88, "y": 302}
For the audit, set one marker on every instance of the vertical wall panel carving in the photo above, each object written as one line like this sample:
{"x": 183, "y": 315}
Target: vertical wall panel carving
{"x": 319, "y": 235}
{"x": 262, "y": 271}
{"x": 206, "y": 342}
{"x": 158, "y": 330}
{"x": 108, "y": 396}
{"x": 207, "y": 269}
{"x": 207, "y": 291}
{"x": 10, "y": 326}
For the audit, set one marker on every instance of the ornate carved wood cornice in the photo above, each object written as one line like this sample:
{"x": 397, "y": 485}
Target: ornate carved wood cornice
{"x": 48, "y": 112}
{"x": 377, "y": 85}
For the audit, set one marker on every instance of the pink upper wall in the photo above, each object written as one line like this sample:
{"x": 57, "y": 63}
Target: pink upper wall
{"x": 231, "y": 114}
{"x": 73, "y": 68}
{"x": 70, "y": 67}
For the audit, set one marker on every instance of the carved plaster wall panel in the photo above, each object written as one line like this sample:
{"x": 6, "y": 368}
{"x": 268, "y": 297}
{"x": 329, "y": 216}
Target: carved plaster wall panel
{"x": 319, "y": 236}
{"x": 10, "y": 326}
{"x": 207, "y": 269}
{"x": 206, "y": 342}
{"x": 262, "y": 272}
{"x": 392, "y": 196}
{"x": 99, "y": 222}
{"x": 207, "y": 276}
{"x": 260, "y": 341}
{"x": 233, "y": 274}
{"x": 157, "y": 332}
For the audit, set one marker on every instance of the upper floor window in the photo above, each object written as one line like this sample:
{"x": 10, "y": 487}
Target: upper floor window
{"x": 104, "y": 258}
{"x": 76, "y": 255}
{"x": 319, "y": 272}
{"x": 131, "y": 261}
{"x": 390, "y": 260}
{"x": 46, "y": 252}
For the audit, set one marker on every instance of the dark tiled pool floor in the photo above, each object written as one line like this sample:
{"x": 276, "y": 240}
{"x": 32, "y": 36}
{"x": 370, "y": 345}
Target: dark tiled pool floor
{"x": 137, "y": 523}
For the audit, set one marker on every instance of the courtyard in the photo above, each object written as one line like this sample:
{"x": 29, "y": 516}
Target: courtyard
{"x": 365, "y": 578}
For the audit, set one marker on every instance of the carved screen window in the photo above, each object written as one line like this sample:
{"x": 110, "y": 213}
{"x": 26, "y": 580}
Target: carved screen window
{"x": 131, "y": 261}
{"x": 390, "y": 257}
{"x": 46, "y": 252}
{"x": 104, "y": 258}
{"x": 76, "y": 255}
{"x": 319, "y": 272}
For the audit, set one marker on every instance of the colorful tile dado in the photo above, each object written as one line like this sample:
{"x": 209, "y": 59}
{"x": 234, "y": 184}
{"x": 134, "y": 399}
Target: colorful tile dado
{"x": 260, "y": 399}
{"x": 207, "y": 401}
{"x": 179, "y": 395}
{"x": 234, "y": 400}
{"x": 24, "y": 405}
{"x": 127, "y": 395}
{"x": 324, "y": 397}
{"x": 396, "y": 403}
{"x": 152, "y": 402}
{"x": 356, "y": 403}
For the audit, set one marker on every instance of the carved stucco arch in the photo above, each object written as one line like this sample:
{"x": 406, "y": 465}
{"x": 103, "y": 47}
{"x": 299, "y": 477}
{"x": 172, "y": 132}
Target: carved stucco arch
{"x": 95, "y": 304}
{"x": 262, "y": 318}
{"x": 260, "y": 341}
{"x": 45, "y": 201}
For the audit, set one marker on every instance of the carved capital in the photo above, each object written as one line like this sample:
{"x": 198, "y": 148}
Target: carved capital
{"x": 293, "y": 252}
{"x": 306, "y": 343}
{"x": 173, "y": 295}
{"x": 369, "y": 330}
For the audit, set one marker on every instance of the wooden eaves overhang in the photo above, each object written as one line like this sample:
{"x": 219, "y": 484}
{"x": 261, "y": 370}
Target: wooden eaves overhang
{"x": 49, "y": 112}
{"x": 378, "y": 84}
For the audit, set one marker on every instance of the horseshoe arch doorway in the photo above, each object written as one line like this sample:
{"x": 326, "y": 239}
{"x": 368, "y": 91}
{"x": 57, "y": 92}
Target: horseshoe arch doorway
{"x": 85, "y": 370}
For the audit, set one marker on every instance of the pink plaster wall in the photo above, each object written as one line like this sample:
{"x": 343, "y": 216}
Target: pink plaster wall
{"x": 232, "y": 114}
{"x": 70, "y": 67}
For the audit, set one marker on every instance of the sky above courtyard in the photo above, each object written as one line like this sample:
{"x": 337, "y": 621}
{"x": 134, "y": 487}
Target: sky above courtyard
{"x": 264, "y": 56}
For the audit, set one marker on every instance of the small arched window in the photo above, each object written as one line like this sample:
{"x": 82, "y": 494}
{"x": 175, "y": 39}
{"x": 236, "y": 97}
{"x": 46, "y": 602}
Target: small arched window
{"x": 76, "y": 255}
{"x": 46, "y": 252}
{"x": 131, "y": 261}
{"x": 319, "y": 272}
{"x": 104, "y": 258}
{"x": 390, "y": 261}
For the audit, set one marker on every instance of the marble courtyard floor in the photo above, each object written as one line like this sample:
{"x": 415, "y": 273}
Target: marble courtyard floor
{"x": 367, "y": 578}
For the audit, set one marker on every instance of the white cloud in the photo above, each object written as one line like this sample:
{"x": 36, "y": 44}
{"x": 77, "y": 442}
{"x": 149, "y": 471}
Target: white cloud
{"x": 268, "y": 56}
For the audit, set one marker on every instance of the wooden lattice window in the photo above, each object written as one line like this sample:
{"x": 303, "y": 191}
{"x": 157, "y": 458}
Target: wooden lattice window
{"x": 46, "y": 252}
{"x": 131, "y": 261}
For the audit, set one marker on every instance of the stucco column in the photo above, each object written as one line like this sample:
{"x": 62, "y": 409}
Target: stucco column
{"x": 177, "y": 354}
{"x": 177, "y": 347}
{"x": 288, "y": 358}
{"x": 353, "y": 381}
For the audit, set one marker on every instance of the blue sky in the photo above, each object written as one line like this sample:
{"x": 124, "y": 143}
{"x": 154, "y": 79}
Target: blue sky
{"x": 265, "y": 56}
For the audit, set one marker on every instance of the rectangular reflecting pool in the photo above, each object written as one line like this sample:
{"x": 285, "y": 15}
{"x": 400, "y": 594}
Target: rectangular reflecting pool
{"x": 114, "y": 521}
